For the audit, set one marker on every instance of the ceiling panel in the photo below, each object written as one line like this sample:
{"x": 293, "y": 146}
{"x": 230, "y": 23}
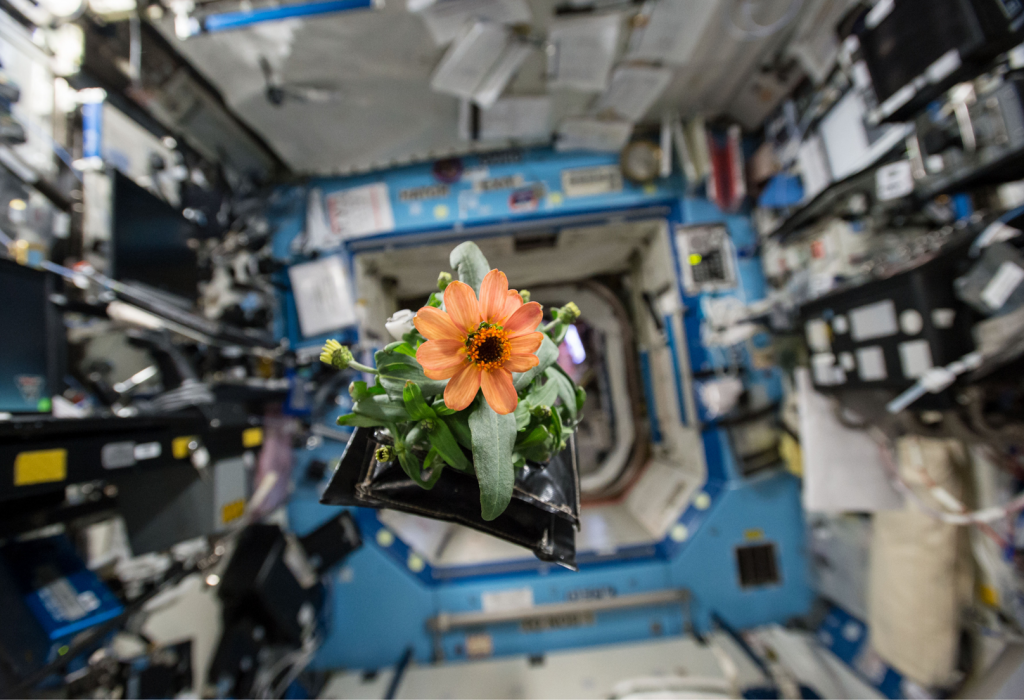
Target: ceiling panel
{"x": 380, "y": 63}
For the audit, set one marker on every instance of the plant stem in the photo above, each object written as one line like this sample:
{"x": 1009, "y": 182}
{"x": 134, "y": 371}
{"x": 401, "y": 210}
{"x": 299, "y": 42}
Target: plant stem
{"x": 362, "y": 368}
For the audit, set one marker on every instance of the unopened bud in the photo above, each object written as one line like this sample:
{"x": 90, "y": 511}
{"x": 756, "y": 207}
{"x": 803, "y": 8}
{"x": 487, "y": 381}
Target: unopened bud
{"x": 541, "y": 411}
{"x": 336, "y": 355}
{"x": 384, "y": 454}
{"x": 443, "y": 280}
{"x": 524, "y": 294}
{"x": 569, "y": 313}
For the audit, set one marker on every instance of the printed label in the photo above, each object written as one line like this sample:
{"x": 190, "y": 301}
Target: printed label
{"x": 510, "y": 599}
{"x": 417, "y": 194}
{"x": 116, "y": 455}
{"x": 1006, "y": 280}
{"x": 493, "y": 184}
{"x": 587, "y": 182}
{"x": 147, "y": 450}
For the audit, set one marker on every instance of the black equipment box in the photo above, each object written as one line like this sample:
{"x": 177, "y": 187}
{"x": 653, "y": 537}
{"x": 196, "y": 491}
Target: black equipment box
{"x": 916, "y": 49}
{"x": 887, "y": 333}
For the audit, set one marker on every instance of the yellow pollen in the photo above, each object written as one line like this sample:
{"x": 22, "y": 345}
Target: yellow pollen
{"x": 488, "y": 347}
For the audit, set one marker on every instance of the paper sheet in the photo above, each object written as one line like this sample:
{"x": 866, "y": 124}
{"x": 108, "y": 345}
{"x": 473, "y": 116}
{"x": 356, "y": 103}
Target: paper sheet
{"x": 672, "y": 32}
{"x": 516, "y": 118}
{"x": 843, "y": 469}
{"x": 592, "y": 135}
{"x": 447, "y": 19}
{"x": 467, "y": 63}
{"x": 583, "y": 50}
{"x": 633, "y": 90}
{"x": 501, "y": 73}
{"x": 322, "y": 296}
{"x": 360, "y": 211}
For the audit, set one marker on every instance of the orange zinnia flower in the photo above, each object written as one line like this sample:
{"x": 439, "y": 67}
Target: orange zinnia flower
{"x": 479, "y": 344}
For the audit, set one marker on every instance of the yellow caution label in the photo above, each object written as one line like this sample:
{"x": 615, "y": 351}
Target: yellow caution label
{"x": 252, "y": 437}
{"x": 179, "y": 446}
{"x": 754, "y": 534}
{"x": 232, "y": 511}
{"x": 988, "y": 595}
{"x": 40, "y": 467}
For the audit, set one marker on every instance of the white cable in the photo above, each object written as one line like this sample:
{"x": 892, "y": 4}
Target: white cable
{"x": 983, "y": 516}
{"x": 935, "y": 380}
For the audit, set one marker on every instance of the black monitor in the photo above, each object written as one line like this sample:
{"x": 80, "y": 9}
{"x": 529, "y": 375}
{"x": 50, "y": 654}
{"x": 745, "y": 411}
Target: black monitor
{"x": 151, "y": 242}
{"x": 29, "y": 352}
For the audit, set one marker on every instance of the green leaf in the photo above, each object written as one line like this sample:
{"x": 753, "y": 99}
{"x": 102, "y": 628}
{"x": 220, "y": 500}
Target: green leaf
{"x": 544, "y": 394}
{"x": 360, "y": 392}
{"x": 439, "y": 407}
{"x": 565, "y": 387}
{"x": 382, "y": 409}
{"x": 469, "y": 264}
{"x": 558, "y": 432}
{"x": 414, "y": 403}
{"x": 435, "y": 464}
{"x": 522, "y": 414}
{"x": 581, "y": 397}
{"x": 493, "y": 437}
{"x": 442, "y": 440}
{"x": 558, "y": 333}
{"x": 547, "y": 354}
{"x": 401, "y": 347}
{"x": 354, "y": 420}
{"x": 410, "y": 463}
{"x": 536, "y": 436}
{"x": 388, "y": 357}
{"x": 459, "y": 425}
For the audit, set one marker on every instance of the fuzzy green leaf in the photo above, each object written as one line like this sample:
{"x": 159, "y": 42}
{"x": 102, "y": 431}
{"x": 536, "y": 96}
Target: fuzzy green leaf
{"x": 354, "y": 420}
{"x": 414, "y": 403}
{"x": 537, "y": 436}
{"x": 565, "y": 388}
{"x": 380, "y": 408}
{"x": 401, "y": 347}
{"x": 522, "y": 414}
{"x": 442, "y": 440}
{"x": 459, "y": 425}
{"x": 435, "y": 464}
{"x": 440, "y": 408}
{"x": 493, "y": 437}
{"x": 547, "y": 354}
{"x": 544, "y": 394}
{"x": 469, "y": 264}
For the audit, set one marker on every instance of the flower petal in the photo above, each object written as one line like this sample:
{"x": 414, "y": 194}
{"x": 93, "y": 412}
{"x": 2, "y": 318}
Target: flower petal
{"x": 521, "y": 363}
{"x": 435, "y": 324}
{"x": 525, "y": 319}
{"x": 462, "y": 388}
{"x": 440, "y": 354}
{"x": 525, "y": 344}
{"x": 446, "y": 373}
{"x": 512, "y": 304}
{"x": 461, "y": 305}
{"x": 499, "y": 391}
{"x": 493, "y": 294}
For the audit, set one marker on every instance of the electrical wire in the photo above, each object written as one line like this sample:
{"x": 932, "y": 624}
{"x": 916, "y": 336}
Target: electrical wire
{"x": 984, "y": 516}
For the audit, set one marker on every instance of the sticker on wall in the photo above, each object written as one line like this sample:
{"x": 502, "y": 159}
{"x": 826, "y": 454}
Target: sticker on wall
{"x": 493, "y": 184}
{"x": 526, "y": 199}
{"x": 448, "y": 170}
{"x": 360, "y": 211}
{"x": 418, "y": 194}
{"x": 587, "y": 182}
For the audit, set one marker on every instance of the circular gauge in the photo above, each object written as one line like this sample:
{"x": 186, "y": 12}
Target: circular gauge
{"x": 641, "y": 161}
